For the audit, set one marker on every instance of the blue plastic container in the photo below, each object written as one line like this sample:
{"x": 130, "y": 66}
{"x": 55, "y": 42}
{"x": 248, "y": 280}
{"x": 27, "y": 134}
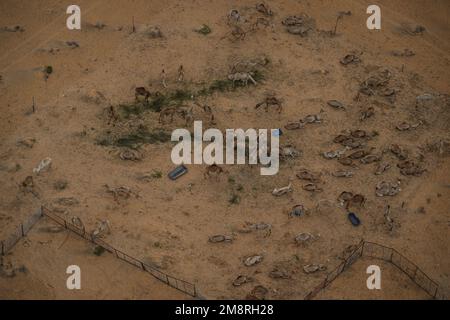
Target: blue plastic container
{"x": 354, "y": 219}
{"x": 177, "y": 172}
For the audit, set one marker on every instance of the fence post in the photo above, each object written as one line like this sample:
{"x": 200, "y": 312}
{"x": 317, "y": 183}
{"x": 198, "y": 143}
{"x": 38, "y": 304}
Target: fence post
{"x": 415, "y": 273}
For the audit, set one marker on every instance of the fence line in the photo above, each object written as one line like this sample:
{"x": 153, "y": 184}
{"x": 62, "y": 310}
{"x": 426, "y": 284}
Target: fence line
{"x": 20, "y": 232}
{"x": 378, "y": 251}
{"x": 176, "y": 283}
{"x": 364, "y": 248}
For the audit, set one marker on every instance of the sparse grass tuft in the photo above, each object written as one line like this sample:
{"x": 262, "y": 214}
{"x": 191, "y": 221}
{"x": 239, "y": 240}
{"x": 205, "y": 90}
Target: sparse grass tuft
{"x": 204, "y": 30}
{"x": 133, "y": 108}
{"x": 98, "y": 250}
{"x": 133, "y": 140}
{"x": 234, "y": 199}
{"x": 223, "y": 85}
{"x": 143, "y": 137}
{"x": 48, "y": 70}
{"x": 156, "y": 174}
{"x": 180, "y": 95}
{"x": 155, "y": 104}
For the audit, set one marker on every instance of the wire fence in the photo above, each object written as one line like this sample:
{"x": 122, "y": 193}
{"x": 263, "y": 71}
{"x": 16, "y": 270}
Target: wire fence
{"x": 20, "y": 232}
{"x": 378, "y": 251}
{"x": 176, "y": 283}
{"x": 364, "y": 248}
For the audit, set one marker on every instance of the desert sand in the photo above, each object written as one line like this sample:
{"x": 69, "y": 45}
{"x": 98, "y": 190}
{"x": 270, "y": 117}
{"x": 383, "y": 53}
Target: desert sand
{"x": 168, "y": 223}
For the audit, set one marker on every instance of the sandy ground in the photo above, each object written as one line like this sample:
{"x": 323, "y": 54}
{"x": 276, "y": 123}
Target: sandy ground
{"x": 169, "y": 222}
{"x": 46, "y": 257}
{"x": 351, "y": 285}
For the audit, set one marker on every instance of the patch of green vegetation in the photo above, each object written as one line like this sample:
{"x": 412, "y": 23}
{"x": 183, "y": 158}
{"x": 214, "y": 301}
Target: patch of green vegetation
{"x": 234, "y": 199}
{"x": 48, "y": 69}
{"x": 155, "y": 104}
{"x": 104, "y": 142}
{"x": 157, "y": 244}
{"x": 180, "y": 95}
{"x": 133, "y": 140}
{"x": 223, "y": 85}
{"x": 204, "y": 30}
{"x": 143, "y": 137}
{"x": 258, "y": 75}
{"x": 98, "y": 250}
{"x": 239, "y": 187}
{"x": 133, "y": 108}
{"x": 156, "y": 174}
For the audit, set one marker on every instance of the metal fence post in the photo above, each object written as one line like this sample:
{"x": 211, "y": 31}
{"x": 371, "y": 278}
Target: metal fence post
{"x": 415, "y": 273}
